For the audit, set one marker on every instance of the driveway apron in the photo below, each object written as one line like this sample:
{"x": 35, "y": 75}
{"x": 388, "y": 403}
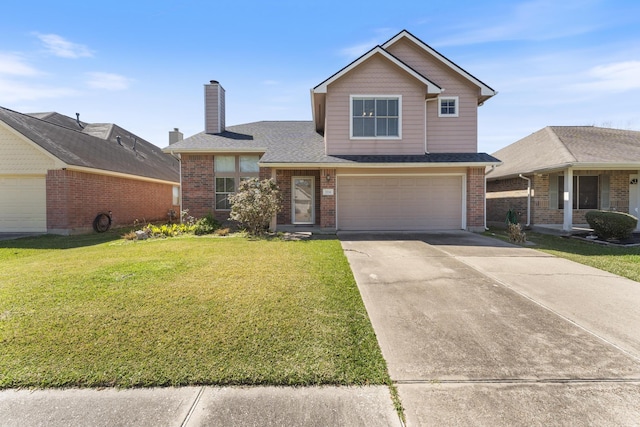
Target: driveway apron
{"x": 472, "y": 340}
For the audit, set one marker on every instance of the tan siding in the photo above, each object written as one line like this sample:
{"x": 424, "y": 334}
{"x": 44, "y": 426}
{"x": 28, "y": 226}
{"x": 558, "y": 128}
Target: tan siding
{"x": 23, "y": 207}
{"x": 444, "y": 134}
{"x": 20, "y": 157}
{"x": 376, "y": 76}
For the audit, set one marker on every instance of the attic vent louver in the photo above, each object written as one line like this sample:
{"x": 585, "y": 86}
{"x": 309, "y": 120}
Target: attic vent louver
{"x": 78, "y": 120}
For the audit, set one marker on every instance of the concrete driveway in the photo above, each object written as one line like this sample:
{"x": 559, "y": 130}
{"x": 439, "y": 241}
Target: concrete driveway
{"x": 480, "y": 332}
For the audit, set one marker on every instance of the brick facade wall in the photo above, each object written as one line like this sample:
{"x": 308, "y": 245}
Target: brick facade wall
{"x": 475, "y": 199}
{"x": 74, "y": 199}
{"x": 328, "y": 202}
{"x": 498, "y": 207}
{"x": 198, "y": 190}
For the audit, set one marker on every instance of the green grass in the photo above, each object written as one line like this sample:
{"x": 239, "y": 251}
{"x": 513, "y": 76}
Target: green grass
{"x": 623, "y": 261}
{"x": 93, "y": 311}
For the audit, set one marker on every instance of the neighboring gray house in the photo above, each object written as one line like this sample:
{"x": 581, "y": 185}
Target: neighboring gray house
{"x": 562, "y": 172}
{"x": 57, "y": 173}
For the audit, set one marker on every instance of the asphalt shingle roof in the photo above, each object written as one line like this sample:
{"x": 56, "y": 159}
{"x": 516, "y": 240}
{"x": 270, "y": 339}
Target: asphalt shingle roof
{"x": 298, "y": 142}
{"x": 558, "y": 146}
{"x": 62, "y": 137}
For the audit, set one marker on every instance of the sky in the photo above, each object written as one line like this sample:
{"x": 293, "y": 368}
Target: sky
{"x": 143, "y": 64}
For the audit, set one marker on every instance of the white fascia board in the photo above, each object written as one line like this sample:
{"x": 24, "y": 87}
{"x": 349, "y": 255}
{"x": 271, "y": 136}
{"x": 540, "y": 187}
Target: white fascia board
{"x": 591, "y": 166}
{"x": 171, "y": 150}
{"x": 374, "y": 165}
{"x": 484, "y": 89}
{"x": 432, "y": 88}
{"x": 119, "y": 175}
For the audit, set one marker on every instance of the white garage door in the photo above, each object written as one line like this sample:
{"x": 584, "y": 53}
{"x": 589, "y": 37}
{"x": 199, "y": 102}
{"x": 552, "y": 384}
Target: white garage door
{"x": 23, "y": 204}
{"x": 400, "y": 203}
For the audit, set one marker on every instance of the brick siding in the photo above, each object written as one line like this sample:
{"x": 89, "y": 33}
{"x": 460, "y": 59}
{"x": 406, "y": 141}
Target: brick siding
{"x": 475, "y": 199}
{"x": 198, "y": 190}
{"x": 74, "y": 199}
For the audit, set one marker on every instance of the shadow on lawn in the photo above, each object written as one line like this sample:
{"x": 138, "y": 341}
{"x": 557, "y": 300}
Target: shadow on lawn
{"x": 51, "y": 241}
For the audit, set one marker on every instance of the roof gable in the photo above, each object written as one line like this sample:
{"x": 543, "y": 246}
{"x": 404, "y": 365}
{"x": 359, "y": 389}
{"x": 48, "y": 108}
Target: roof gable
{"x": 432, "y": 87}
{"x": 485, "y": 90}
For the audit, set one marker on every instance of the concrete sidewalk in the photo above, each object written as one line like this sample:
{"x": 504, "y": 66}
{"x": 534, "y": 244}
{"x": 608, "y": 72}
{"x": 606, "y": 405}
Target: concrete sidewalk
{"x": 476, "y": 331}
{"x": 200, "y": 406}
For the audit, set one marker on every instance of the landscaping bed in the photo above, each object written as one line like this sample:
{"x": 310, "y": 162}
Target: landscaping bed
{"x": 95, "y": 311}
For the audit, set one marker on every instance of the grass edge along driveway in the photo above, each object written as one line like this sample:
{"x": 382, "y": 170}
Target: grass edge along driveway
{"x": 182, "y": 311}
{"x": 620, "y": 260}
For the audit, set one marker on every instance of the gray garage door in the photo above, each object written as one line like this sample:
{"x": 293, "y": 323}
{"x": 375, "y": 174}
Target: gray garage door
{"x": 399, "y": 202}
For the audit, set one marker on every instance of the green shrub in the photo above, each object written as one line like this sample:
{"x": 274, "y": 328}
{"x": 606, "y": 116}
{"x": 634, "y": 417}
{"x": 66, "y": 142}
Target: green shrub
{"x": 206, "y": 225}
{"x": 611, "y": 225}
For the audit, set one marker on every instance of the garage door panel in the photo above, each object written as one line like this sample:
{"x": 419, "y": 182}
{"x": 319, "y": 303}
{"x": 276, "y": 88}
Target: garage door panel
{"x": 400, "y": 203}
{"x": 23, "y": 207}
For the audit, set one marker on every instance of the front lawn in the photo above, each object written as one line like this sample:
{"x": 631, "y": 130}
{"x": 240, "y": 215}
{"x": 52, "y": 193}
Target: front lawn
{"x": 92, "y": 312}
{"x": 623, "y": 261}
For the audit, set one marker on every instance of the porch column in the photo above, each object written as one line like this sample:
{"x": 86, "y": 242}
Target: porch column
{"x": 568, "y": 200}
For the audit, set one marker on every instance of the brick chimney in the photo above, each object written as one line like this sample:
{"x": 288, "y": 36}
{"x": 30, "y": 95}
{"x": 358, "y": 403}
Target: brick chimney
{"x": 175, "y": 136}
{"x": 213, "y": 107}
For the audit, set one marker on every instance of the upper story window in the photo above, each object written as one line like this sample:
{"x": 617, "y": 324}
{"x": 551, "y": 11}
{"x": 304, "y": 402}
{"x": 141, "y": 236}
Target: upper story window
{"x": 376, "y": 116}
{"x": 448, "y": 106}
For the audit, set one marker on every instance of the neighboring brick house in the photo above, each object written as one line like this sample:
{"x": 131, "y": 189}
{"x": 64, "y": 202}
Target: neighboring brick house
{"x": 57, "y": 174}
{"x": 557, "y": 174}
{"x": 387, "y": 149}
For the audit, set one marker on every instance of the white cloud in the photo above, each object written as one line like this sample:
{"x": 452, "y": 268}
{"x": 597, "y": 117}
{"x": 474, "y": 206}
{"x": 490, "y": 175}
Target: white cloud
{"x": 14, "y": 91}
{"x": 382, "y": 35}
{"x": 614, "y": 77}
{"x": 15, "y": 65}
{"x": 63, "y": 48}
{"x": 107, "y": 81}
{"x": 534, "y": 20}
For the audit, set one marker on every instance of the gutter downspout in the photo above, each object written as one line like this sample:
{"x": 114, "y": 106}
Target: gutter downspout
{"x": 528, "y": 199}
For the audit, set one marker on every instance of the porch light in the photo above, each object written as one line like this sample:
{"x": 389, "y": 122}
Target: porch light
{"x": 328, "y": 177}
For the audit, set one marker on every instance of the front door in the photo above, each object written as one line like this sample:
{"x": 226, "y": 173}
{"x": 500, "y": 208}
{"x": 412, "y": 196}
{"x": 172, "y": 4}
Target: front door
{"x": 303, "y": 200}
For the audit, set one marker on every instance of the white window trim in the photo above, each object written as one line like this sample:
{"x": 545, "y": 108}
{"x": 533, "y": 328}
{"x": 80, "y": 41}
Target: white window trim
{"x": 448, "y": 98}
{"x": 399, "y": 97}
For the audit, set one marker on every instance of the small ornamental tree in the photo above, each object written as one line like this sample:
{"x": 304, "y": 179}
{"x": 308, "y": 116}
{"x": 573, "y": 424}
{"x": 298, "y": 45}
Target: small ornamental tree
{"x": 255, "y": 203}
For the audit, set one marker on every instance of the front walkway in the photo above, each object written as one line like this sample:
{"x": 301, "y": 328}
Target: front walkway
{"x": 476, "y": 331}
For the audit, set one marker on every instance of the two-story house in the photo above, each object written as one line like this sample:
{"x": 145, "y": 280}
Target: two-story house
{"x": 392, "y": 146}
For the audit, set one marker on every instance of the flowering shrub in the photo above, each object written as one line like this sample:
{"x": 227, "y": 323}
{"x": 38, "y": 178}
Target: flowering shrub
{"x": 255, "y": 203}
